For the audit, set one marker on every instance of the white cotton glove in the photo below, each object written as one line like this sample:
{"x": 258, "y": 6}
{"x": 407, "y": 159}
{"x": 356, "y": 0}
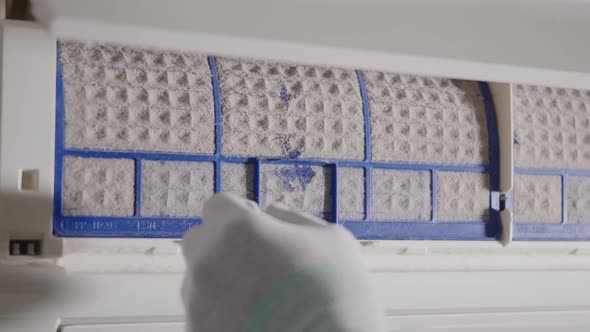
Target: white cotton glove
{"x": 275, "y": 271}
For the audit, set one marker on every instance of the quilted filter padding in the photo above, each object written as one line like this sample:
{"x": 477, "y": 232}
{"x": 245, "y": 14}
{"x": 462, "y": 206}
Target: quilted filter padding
{"x": 384, "y": 154}
{"x": 426, "y": 120}
{"x": 119, "y": 98}
{"x": 98, "y": 187}
{"x": 288, "y": 111}
{"x": 578, "y": 198}
{"x": 175, "y": 188}
{"x": 551, "y": 127}
{"x": 400, "y": 195}
{"x": 552, "y": 160}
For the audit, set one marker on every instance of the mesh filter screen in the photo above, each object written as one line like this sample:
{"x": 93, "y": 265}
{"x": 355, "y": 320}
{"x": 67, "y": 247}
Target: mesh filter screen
{"x": 386, "y": 155}
{"x": 99, "y": 187}
{"x": 539, "y": 198}
{"x": 120, "y": 98}
{"x": 463, "y": 196}
{"x": 400, "y": 195}
{"x": 175, "y": 188}
{"x": 552, "y": 160}
{"x": 287, "y": 111}
{"x": 425, "y": 119}
{"x": 578, "y": 198}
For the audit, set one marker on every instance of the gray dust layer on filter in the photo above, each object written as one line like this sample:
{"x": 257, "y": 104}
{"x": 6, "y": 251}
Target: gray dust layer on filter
{"x": 551, "y": 127}
{"x": 463, "y": 196}
{"x": 551, "y": 131}
{"x": 238, "y": 179}
{"x": 537, "y": 198}
{"x": 98, "y": 187}
{"x": 305, "y": 188}
{"x": 351, "y": 193}
{"x": 175, "y": 188}
{"x": 399, "y": 195}
{"x": 426, "y": 120}
{"x": 290, "y": 111}
{"x": 132, "y": 99}
{"x": 578, "y": 199}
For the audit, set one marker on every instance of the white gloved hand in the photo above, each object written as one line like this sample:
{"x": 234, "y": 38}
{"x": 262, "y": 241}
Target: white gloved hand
{"x": 275, "y": 271}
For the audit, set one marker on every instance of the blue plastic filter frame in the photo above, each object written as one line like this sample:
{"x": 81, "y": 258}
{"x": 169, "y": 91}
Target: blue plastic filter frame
{"x": 171, "y": 227}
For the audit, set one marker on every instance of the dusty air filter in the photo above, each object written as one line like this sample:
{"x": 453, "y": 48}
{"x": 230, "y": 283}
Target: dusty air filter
{"x": 552, "y": 163}
{"x": 144, "y": 136}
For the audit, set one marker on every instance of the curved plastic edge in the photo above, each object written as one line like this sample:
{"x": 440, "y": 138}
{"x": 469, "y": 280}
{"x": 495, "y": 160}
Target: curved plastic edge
{"x": 495, "y": 228}
{"x": 501, "y": 95}
{"x": 502, "y": 98}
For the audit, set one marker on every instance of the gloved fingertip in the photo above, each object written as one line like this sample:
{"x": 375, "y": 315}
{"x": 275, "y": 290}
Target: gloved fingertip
{"x": 282, "y": 212}
{"x": 227, "y": 204}
{"x": 218, "y": 210}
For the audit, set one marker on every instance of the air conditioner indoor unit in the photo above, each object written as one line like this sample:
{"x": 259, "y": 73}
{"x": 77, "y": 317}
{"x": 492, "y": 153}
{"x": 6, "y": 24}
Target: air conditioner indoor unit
{"x": 451, "y": 138}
